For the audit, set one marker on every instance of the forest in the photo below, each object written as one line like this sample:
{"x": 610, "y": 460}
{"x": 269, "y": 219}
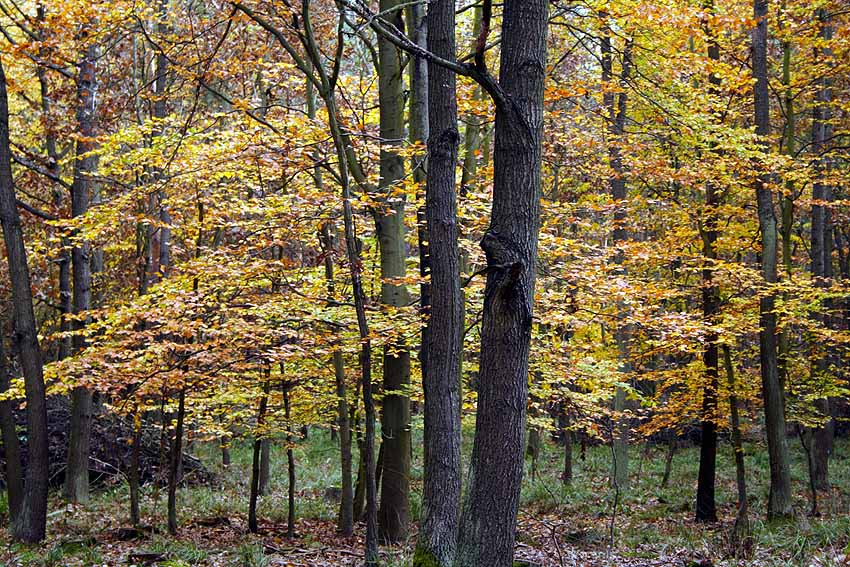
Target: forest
{"x": 429, "y": 283}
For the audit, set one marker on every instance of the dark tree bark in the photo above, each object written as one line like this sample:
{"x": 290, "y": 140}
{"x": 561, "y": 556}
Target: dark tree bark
{"x": 418, "y": 133}
{"x": 821, "y": 251}
{"x": 174, "y": 464}
{"x": 567, "y": 474}
{"x": 706, "y": 509}
{"x": 345, "y": 522}
{"x": 393, "y": 516}
{"x": 488, "y": 524}
{"x": 779, "y": 500}
{"x": 134, "y": 479}
{"x": 441, "y": 382}
{"x": 265, "y": 464}
{"x": 77, "y": 473}
{"x": 225, "y": 451}
{"x": 30, "y": 524}
{"x": 741, "y": 519}
{"x": 254, "y": 493}
{"x": 11, "y": 445}
{"x": 290, "y": 463}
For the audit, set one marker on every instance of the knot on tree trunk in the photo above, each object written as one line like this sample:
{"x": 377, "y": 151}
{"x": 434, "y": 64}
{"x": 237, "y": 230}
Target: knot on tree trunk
{"x": 504, "y": 271}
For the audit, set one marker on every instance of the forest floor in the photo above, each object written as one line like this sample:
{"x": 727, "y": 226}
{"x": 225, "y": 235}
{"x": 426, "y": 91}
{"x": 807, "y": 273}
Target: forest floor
{"x": 558, "y": 525}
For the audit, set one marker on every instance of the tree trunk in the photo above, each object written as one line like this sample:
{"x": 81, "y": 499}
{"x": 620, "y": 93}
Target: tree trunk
{"x": 133, "y": 476}
{"x": 488, "y": 524}
{"x": 393, "y": 516}
{"x": 821, "y": 250}
{"x": 256, "y": 457}
{"x": 290, "y": 464}
{"x": 672, "y": 444}
{"x": 30, "y": 524}
{"x": 616, "y": 109}
{"x": 345, "y": 523}
{"x": 174, "y": 465}
{"x": 225, "y": 451}
{"x": 567, "y": 475}
{"x": 160, "y": 112}
{"x": 265, "y": 458}
{"x": 77, "y": 472}
{"x": 706, "y": 509}
{"x": 741, "y": 521}
{"x": 779, "y": 500}
{"x": 11, "y": 444}
{"x": 437, "y": 542}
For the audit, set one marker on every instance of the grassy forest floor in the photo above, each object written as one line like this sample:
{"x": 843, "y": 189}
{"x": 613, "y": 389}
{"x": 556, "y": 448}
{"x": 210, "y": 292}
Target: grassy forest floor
{"x": 557, "y": 526}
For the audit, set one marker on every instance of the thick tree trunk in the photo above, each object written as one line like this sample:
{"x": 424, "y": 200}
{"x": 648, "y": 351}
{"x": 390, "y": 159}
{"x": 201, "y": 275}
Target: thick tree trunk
{"x": 393, "y": 516}
{"x": 488, "y": 524}
{"x": 77, "y": 473}
{"x": 779, "y": 500}
{"x": 437, "y": 540}
{"x": 30, "y": 524}
{"x": 11, "y": 445}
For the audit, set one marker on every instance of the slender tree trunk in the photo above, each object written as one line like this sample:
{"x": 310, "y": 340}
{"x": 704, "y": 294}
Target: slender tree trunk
{"x": 616, "y": 109}
{"x": 821, "y": 250}
{"x": 567, "y": 475}
{"x": 741, "y": 521}
{"x": 174, "y": 466}
{"x": 418, "y": 131}
{"x": 225, "y": 451}
{"x": 345, "y": 523}
{"x": 77, "y": 472}
{"x": 11, "y": 445}
{"x": 706, "y": 509}
{"x": 265, "y": 464}
{"x": 30, "y": 524}
{"x": 290, "y": 463}
{"x": 437, "y": 540}
{"x": 779, "y": 500}
{"x": 488, "y": 523}
{"x": 134, "y": 479}
{"x": 254, "y": 493}
{"x": 393, "y": 516}
{"x": 160, "y": 112}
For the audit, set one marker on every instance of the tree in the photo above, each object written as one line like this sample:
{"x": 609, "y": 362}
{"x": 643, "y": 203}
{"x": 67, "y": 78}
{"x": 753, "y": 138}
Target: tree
{"x": 488, "y": 525}
{"x": 77, "y": 473}
{"x": 30, "y": 523}
{"x": 441, "y": 379}
{"x": 389, "y": 223}
{"x": 779, "y": 502}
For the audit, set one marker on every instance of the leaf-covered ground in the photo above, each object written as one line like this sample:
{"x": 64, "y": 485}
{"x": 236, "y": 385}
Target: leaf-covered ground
{"x": 558, "y": 526}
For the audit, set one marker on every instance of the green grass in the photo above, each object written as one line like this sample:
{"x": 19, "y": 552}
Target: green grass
{"x": 650, "y": 520}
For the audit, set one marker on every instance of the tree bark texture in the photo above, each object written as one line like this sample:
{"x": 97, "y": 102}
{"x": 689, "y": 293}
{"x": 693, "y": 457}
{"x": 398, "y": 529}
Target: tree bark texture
{"x": 393, "y": 516}
{"x": 30, "y": 524}
{"x": 779, "y": 500}
{"x": 76, "y": 487}
{"x": 488, "y": 522}
{"x": 437, "y": 541}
